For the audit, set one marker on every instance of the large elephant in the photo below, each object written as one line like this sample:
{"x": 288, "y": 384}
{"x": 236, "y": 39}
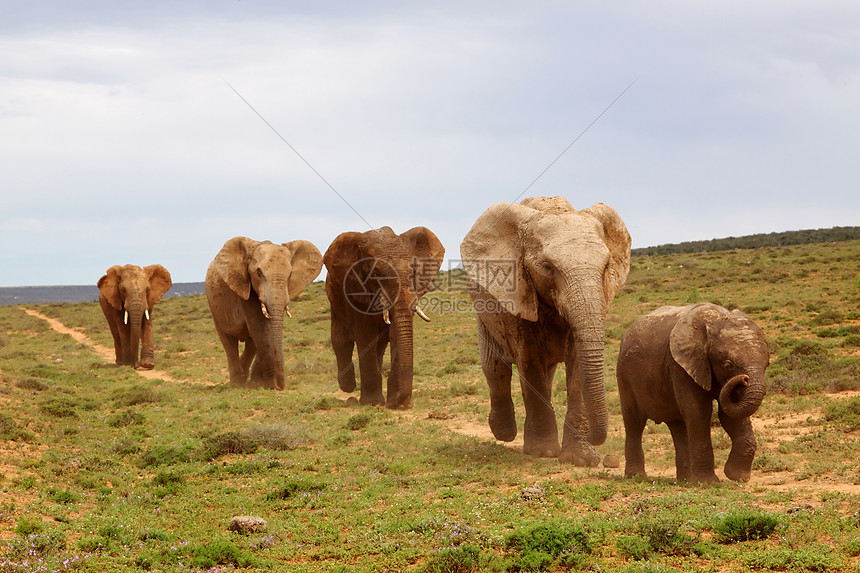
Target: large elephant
{"x": 672, "y": 364}
{"x": 542, "y": 276}
{"x": 249, "y": 286}
{"x": 127, "y": 295}
{"x": 374, "y": 282}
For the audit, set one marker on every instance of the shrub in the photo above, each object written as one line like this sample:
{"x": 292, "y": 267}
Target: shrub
{"x": 844, "y": 413}
{"x": 294, "y": 487}
{"x": 463, "y": 559}
{"x": 359, "y": 421}
{"x": 126, "y": 418}
{"x": 164, "y": 455}
{"x": 215, "y": 553}
{"x": 9, "y": 430}
{"x": 27, "y": 527}
{"x": 229, "y": 443}
{"x": 62, "y": 407}
{"x": 541, "y": 546}
{"x": 62, "y": 496}
{"x": 745, "y": 526}
{"x": 666, "y": 537}
{"x": 138, "y": 395}
{"x": 633, "y": 547}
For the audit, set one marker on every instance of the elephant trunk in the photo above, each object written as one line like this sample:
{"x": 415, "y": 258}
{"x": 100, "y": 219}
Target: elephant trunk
{"x": 133, "y": 316}
{"x": 741, "y": 396}
{"x": 400, "y": 390}
{"x": 583, "y": 309}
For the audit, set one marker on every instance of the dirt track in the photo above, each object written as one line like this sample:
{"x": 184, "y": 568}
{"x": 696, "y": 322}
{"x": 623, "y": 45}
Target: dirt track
{"x": 103, "y": 352}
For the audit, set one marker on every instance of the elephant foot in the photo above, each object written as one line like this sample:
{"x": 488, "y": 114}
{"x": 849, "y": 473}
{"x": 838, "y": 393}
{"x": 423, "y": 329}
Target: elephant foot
{"x": 399, "y": 403}
{"x": 703, "y": 478}
{"x": 634, "y": 470}
{"x": 346, "y": 381}
{"x": 737, "y": 474}
{"x": 503, "y": 423}
{"x": 580, "y": 456}
{"x": 374, "y": 400}
{"x": 541, "y": 448}
{"x": 144, "y": 366}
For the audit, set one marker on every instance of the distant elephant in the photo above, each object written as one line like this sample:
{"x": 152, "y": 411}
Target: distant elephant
{"x": 542, "y": 276}
{"x": 374, "y": 282}
{"x": 672, "y": 364}
{"x": 127, "y": 295}
{"x": 249, "y": 286}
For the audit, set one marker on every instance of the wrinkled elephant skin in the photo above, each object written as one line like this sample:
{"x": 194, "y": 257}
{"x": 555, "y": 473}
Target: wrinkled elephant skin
{"x": 374, "y": 283}
{"x": 542, "y": 276}
{"x": 127, "y": 295}
{"x": 673, "y": 363}
{"x": 249, "y": 286}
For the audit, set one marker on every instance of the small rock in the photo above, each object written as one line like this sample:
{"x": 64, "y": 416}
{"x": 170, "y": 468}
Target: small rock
{"x": 611, "y": 461}
{"x": 439, "y": 415}
{"x": 58, "y": 361}
{"x": 533, "y": 492}
{"x": 247, "y": 524}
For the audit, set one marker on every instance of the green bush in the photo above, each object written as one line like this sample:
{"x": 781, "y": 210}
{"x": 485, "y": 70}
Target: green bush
{"x": 844, "y": 413}
{"x": 540, "y": 547}
{"x": 62, "y": 496}
{"x": 359, "y": 421}
{"x": 665, "y": 536}
{"x": 215, "y": 553}
{"x": 229, "y": 443}
{"x": 126, "y": 418}
{"x": 164, "y": 455}
{"x": 745, "y": 526}
{"x": 27, "y": 526}
{"x": 463, "y": 559}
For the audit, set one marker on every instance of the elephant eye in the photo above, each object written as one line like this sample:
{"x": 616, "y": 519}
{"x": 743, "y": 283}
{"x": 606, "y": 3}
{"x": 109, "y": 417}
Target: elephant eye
{"x": 728, "y": 364}
{"x": 547, "y": 268}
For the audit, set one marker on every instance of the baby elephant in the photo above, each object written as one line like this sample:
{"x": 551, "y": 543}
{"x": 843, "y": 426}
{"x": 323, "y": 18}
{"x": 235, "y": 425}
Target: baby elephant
{"x": 672, "y": 365}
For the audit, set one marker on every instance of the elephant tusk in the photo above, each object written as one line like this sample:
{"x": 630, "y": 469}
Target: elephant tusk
{"x": 265, "y": 310}
{"x": 385, "y": 316}
{"x": 289, "y": 314}
{"x": 125, "y": 318}
{"x": 146, "y": 312}
{"x": 420, "y": 313}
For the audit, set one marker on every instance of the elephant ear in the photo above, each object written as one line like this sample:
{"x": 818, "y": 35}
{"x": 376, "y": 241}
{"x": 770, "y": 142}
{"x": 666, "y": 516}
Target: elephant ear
{"x": 427, "y": 253}
{"x": 343, "y": 252}
{"x": 231, "y": 264}
{"x": 109, "y": 287}
{"x": 492, "y": 253}
{"x": 618, "y": 241}
{"x": 688, "y": 341}
{"x": 306, "y": 262}
{"x": 159, "y": 283}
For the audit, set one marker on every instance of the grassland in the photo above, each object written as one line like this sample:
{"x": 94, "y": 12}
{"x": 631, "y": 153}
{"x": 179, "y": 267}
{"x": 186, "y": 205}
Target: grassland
{"x": 104, "y": 470}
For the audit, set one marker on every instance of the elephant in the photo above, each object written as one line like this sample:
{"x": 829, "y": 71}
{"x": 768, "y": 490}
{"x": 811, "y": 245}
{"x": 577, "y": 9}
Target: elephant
{"x": 541, "y": 276}
{"x": 672, "y": 364}
{"x": 127, "y": 295}
{"x": 249, "y": 286}
{"x": 374, "y": 282}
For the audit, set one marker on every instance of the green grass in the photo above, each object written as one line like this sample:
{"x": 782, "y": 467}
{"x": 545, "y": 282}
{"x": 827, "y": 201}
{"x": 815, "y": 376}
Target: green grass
{"x": 103, "y": 470}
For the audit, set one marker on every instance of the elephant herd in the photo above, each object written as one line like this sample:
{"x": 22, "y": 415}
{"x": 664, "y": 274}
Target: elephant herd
{"x": 541, "y": 277}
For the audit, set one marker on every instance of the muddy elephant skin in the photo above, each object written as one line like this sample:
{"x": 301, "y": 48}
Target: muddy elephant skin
{"x": 672, "y": 364}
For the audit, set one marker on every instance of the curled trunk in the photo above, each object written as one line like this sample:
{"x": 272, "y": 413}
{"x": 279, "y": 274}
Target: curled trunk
{"x": 741, "y": 396}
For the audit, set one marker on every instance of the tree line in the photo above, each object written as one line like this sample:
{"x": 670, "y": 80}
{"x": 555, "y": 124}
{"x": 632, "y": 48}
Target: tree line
{"x": 783, "y": 239}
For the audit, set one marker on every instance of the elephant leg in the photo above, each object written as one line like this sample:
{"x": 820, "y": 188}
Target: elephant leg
{"x": 343, "y": 344}
{"x": 739, "y": 465}
{"x": 497, "y": 370}
{"x": 540, "y": 431}
{"x": 147, "y": 350}
{"x": 392, "y": 390}
{"x": 682, "y": 449}
{"x": 117, "y": 341}
{"x": 248, "y": 354}
{"x": 697, "y": 421}
{"x": 238, "y": 374}
{"x": 370, "y": 371}
{"x": 634, "y": 455}
{"x": 575, "y": 448}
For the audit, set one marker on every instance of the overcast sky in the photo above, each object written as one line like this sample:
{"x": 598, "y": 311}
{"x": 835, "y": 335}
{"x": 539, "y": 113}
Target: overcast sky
{"x": 122, "y": 141}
